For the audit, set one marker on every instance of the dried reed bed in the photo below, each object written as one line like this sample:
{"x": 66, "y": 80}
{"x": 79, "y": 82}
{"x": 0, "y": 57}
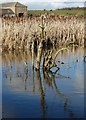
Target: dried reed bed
{"x": 19, "y": 33}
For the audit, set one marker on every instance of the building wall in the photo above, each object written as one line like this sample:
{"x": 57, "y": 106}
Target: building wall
{"x": 19, "y": 9}
{"x": 12, "y": 8}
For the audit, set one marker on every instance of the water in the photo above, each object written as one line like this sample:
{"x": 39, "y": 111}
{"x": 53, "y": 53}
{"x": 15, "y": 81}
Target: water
{"x": 0, "y": 87}
{"x": 33, "y": 94}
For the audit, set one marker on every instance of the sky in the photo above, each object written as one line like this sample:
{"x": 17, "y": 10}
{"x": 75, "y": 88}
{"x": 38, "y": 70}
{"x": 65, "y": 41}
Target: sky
{"x": 48, "y": 4}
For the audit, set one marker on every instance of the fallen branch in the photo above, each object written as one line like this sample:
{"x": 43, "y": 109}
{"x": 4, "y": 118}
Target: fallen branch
{"x": 53, "y": 61}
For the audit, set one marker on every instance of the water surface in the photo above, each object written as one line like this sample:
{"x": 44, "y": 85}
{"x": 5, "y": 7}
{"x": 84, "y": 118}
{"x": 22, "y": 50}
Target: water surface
{"x": 38, "y": 94}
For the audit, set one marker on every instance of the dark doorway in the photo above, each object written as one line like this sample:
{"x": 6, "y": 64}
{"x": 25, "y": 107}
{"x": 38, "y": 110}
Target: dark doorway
{"x": 21, "y": 14}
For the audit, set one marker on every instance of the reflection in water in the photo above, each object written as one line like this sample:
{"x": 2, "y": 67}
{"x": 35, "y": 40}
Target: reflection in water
{"x": 42, "y": 95}
{"x": 33, "y": 82}
{"x": 58, "y": 92}
{"x": 0, "y": 86}
{"x": 17, "y": 68}
{"x": 26, "y": 76}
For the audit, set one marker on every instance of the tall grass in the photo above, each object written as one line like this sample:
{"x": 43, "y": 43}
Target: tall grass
{"x": 19, "y": 33}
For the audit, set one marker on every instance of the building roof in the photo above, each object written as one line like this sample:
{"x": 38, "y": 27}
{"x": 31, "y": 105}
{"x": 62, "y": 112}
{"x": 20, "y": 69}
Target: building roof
{"x": 10, "y": 4}
{"x": 6, "y": 11}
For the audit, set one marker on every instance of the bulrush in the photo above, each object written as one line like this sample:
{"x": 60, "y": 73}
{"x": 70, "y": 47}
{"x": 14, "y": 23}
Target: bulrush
{"x": 19, "y": 33}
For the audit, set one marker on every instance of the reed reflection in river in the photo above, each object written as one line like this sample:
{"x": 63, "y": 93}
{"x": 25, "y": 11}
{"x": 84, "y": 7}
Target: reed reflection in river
{"x": 28, "y": 93}
{"x": 0, "y": 86}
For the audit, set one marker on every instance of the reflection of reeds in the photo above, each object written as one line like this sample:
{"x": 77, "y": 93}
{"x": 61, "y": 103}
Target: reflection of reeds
{"x": 17, "y": 57}
{"x": 42, "y": 94}
{"x": 26, "y": 76}
{"x": 33, "y": 81}
{"x": 18, "y": 33}
{"x": 48, "y": 76}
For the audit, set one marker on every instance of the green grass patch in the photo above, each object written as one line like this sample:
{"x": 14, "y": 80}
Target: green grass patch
{"x": 57, "y": 12}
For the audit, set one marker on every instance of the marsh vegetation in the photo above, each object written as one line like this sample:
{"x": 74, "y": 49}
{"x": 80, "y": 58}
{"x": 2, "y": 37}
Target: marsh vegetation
{"x": 19, "y": 33}
{"x": 41, "y": 49}
{"x": 42, "y": 32}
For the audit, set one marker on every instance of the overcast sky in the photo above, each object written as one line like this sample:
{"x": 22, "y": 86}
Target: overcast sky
{"x": 50, "y": 4}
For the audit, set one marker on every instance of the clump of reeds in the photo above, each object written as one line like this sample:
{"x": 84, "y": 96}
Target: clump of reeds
{"x": 19, "y": 33}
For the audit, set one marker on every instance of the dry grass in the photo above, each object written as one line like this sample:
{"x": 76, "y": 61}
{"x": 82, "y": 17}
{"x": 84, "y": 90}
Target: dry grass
{"x": 18, "y": 33}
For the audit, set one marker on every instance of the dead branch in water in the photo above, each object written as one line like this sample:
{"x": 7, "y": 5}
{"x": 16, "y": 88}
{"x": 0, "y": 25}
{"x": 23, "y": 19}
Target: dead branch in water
{"x": 49, "y": 61}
